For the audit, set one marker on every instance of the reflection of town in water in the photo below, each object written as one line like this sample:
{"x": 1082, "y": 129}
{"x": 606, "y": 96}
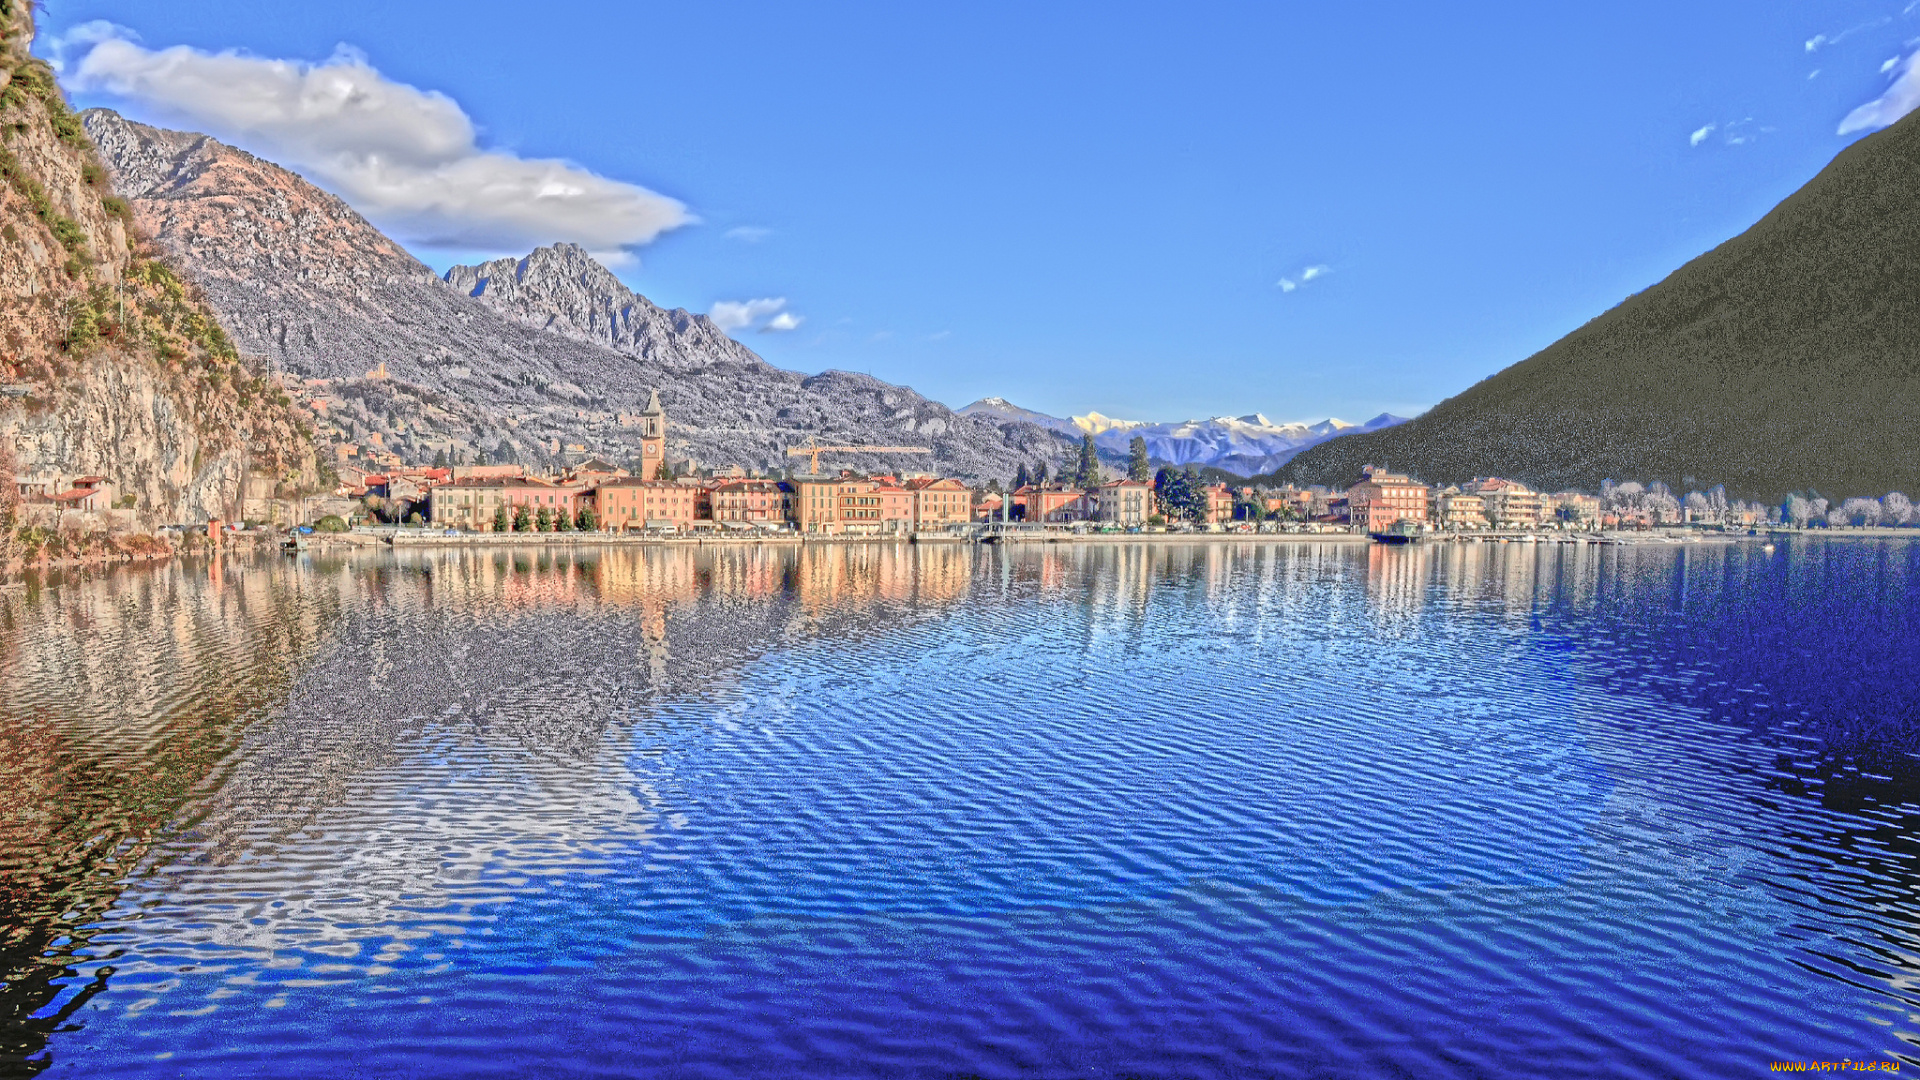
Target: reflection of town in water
{"x": 394, "y": 723}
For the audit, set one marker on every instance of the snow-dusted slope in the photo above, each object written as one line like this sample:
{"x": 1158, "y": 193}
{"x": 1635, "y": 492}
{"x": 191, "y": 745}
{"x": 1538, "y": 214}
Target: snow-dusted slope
{"x": 1247, "y": 445}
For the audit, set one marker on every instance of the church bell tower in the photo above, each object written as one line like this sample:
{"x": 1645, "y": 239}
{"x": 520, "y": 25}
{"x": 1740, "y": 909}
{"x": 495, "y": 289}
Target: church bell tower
{"x": 653, "y": 436}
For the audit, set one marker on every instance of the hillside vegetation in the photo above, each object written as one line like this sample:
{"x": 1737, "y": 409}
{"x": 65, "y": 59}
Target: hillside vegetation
{"x": 1786, "y": 359}
{"x": 114, "y": 365}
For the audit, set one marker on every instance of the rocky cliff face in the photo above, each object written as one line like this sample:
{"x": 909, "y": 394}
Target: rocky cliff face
{"x": 113, "y": 365}
{"x": 537, "y": 353}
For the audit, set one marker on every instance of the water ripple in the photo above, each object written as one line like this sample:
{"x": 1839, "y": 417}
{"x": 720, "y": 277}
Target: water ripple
{"x": 1171, "y": 810}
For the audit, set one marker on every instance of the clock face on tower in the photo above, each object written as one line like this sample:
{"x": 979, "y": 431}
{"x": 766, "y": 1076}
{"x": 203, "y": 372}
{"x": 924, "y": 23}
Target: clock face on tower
{"x": 651, "y": 450}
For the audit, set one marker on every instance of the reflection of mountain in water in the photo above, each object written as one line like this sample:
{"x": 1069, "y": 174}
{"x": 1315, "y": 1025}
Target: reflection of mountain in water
{"x": 509, "y": 782}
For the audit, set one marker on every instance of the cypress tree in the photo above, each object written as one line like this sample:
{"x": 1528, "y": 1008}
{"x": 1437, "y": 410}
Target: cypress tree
{"x": 1088, "y": 473}
{"x": 1138, "y": 467}
{"x": 500, "y": 518}
{"x": 1020, "y": 477}
{"x": 1040, "y": 473}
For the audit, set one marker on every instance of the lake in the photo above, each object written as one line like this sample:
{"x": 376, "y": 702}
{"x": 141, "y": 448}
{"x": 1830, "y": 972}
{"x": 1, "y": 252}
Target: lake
{"x": 1196, "y": 810}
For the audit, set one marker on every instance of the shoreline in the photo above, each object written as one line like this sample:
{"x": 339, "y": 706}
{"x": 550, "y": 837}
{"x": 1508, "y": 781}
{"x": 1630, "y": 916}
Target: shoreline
{"x": 1661, "y": 538}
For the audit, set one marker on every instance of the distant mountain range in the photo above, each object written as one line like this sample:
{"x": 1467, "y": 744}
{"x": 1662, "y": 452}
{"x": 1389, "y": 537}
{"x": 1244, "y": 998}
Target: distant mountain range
{"x": 535, "y": 353}
{"x": 1246, "y": 445}
{"x": 1785, "y": 360}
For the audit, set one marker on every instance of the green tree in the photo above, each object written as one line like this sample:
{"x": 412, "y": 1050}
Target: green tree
{"x": 562, "y": 521}
{"x": 587, "y": 520}
{"x": 1138, "y": 468}
{"x": 332, "y": 523}
{"x": 521, "y": 522}
{"x": 1021, "y": 478}
{"x": 1086, "y": 473}
{"x": 664, "y": 472}
{"x": 1040, "y": 473}
{"x": 440, "y": 458}
{"x": 543, "y": 520}
{"x": 500, "y": 518}
{"x": 85, "y": 331}
{"x": 1182, "y": 498}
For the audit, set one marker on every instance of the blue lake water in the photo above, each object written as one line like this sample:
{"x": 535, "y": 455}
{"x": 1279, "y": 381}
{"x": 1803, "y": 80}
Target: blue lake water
{"x": 1210, "y": 810}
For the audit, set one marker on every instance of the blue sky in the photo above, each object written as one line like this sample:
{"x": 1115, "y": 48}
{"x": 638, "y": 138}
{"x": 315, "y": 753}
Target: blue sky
{"x": 1083, "y": 207}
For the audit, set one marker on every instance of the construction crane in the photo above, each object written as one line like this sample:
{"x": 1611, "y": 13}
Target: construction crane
{"x": 814, "y": 450}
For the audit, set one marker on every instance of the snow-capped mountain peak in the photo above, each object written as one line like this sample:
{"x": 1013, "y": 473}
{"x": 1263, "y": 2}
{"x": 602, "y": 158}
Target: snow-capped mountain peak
{"x": 1247, "y": 445}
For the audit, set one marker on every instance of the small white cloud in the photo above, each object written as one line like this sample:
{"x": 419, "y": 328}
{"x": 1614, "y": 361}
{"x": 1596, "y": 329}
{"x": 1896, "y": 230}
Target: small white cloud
{"x": 85, "y": 36}
{"x": 731, "y": 315}
{"x": 1700, "y": 135}
{"x": 1814, "y": 42}
{"x": 408, "y": 158}
{"x": 1889, "y": 64}
{"x": 1287, "y": 284}
{"x": 1899, "y": 100}
{"x": 748, "y": 234}
{"x": 782, "y": 323}
{"x": 1312, "y": 272}
{"x": 1814, "y": 74}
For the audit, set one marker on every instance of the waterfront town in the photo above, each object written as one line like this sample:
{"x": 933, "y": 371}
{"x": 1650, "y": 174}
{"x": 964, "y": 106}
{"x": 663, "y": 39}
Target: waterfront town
{"x": 595, "y": 495}
{"x": 652, "y": 497}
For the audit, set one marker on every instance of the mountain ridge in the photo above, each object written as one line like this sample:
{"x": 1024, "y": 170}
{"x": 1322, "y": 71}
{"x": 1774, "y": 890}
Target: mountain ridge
{"x": 308, "y": 284}
{"x": 1245, "y": 445}
{"x": 1786, "y": 359}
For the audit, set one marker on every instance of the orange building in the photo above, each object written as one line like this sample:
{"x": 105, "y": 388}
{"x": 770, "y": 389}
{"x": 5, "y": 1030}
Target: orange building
{"x": 940, "y": 504}
{"x": 1054, "y": 505}
{"x": 1382, "y": 498}
{"x": 1219, "y": 504}
{"x": 633, "y": 503}
{"x": 845, "y": 504}
{"x": 767, "y": 503}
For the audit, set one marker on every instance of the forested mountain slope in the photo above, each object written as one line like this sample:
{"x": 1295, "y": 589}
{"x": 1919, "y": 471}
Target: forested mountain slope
{"x": 1786, "y": 359}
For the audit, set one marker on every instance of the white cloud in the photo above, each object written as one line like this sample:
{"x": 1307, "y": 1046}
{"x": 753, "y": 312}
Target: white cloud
{"x": 1814, "y": 42}
{"x": 731, "y": 315}
{"x": 1303, "y": 277}
{"x": 1700, "y": 135}
{"x": 1898, "y": 101}
{"x": 747, "y": 234}
{"x": 409, "y": 159}
{"x": 1889, "y": 64}
{"x": 782, "y": 323}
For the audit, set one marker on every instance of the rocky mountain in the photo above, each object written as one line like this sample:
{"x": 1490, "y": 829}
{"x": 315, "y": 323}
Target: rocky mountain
{"x": 113, "y": 366}
{"x": 998, "y": 408}
{"x": 1243, "y": 445}
{"x": 1786, "y": 359}
{"x": 520, "y": 357}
